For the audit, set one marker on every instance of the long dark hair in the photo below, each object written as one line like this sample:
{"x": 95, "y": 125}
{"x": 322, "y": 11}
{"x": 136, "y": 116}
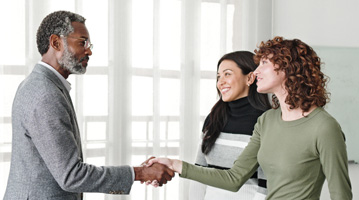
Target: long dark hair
{"x": 218, "y": 115}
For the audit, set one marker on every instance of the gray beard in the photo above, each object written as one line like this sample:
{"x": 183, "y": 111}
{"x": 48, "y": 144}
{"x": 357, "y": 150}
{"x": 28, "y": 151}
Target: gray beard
{"x": 69, "y": 62}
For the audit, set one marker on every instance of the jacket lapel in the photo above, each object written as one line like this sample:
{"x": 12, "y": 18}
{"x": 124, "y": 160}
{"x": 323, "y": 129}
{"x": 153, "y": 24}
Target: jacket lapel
{"x": 52, "y": 76}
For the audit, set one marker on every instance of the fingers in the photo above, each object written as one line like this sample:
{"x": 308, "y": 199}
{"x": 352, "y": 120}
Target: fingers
{"x": 146, "y": 161}
{"x": 148, "y": 182}
{"x": 155, "y": 183}
{"x": 159, "y": 173}
{"x": 170, "y": 172}
{"x": 152, "y": 161}
{"x": 164, "y": 161}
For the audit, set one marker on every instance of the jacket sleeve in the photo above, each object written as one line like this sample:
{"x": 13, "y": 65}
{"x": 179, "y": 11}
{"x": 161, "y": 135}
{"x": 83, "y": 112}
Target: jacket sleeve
{"x": 51, "y": 126}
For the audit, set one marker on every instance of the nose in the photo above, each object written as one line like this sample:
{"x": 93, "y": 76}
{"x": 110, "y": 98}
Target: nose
{"x": 88, "y": 51}
{"x": 220, "y": 82}
{"x": 256, "y": 72}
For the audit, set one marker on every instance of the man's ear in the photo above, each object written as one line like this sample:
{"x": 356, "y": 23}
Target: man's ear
{"x": 55, "y": 42}
{"x": 251, "y": 78}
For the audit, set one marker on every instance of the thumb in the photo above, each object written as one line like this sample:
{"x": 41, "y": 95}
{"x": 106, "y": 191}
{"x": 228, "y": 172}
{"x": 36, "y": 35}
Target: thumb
{"x": 150, "y": 162}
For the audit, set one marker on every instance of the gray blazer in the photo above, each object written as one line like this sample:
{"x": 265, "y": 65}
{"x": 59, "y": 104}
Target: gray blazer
{"x": 46, "y": 158}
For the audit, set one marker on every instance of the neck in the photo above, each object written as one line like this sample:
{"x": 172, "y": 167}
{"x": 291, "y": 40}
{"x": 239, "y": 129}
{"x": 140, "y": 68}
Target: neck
{"x": 291, "y": 114}
{"x": 65, "y": 73}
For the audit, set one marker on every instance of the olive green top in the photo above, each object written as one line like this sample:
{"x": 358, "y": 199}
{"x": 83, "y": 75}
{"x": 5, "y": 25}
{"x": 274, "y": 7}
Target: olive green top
{"x": 296, "y": 157}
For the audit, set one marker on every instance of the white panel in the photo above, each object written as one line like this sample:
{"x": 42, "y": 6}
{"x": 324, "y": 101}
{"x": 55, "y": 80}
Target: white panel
{"x": 341, "y": 66}
{"x": 319, "y": 22}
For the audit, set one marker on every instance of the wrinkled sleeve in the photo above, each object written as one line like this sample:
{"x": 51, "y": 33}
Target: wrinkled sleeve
{"x": 51, "y": 129}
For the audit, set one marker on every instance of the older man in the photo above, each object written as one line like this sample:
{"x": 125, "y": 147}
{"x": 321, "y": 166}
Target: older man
{"x": 47, "y": 161}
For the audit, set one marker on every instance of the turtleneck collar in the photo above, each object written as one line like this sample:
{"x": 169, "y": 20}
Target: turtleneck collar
{"x": 241, "y": 117}
{"x": 238, "y": 104}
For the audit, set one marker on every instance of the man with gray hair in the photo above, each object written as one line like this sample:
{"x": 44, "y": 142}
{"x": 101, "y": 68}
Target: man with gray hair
{"x": 46, "y": 159}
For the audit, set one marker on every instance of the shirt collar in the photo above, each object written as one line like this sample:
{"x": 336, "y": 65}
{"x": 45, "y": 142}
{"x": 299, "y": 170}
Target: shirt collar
{"x": 63, "y": 80}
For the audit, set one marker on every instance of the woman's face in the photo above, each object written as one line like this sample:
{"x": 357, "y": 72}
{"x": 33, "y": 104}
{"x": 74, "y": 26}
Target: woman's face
{"x": 269, "y": 80}
{"x": 231, "y": 82}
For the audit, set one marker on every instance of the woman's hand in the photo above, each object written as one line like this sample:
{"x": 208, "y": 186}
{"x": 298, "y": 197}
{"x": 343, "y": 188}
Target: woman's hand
{"x": 174, "y": 164}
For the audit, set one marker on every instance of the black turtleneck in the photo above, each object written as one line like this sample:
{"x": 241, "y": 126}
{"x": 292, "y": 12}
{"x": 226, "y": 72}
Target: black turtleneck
{"x": 241, "y": 117}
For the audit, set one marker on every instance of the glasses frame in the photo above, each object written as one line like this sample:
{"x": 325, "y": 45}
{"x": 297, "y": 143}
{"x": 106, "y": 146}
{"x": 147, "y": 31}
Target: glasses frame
{"x": 87, "y": 45}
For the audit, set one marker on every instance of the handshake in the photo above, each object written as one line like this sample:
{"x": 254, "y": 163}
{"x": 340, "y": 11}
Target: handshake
{"x": 155, "y": 171}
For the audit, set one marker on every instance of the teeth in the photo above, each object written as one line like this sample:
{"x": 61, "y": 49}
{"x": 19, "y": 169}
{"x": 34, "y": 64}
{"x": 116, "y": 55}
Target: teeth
{"x": 224, "y": 89}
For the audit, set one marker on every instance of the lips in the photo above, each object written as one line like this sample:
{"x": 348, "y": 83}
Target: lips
{"x": 84, "y": 59}
{"x": 224, "y": 90}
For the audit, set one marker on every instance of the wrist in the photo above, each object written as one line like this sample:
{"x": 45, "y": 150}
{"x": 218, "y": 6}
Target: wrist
{"x": 138, "y": 173}
{"x": 177, "y": 166}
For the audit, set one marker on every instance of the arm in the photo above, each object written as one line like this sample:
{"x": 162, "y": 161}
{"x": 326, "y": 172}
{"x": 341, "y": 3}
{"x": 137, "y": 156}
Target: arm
{"x": 232, "y": 179}
{"x": 333, "y": 157}
{"x": 53, "y": 130}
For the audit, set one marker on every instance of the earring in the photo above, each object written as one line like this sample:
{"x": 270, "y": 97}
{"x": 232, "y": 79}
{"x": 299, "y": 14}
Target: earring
{"x": 248, "y": 84}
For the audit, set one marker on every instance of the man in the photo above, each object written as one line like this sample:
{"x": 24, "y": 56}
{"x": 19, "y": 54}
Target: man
{"x": 47, "y": 160}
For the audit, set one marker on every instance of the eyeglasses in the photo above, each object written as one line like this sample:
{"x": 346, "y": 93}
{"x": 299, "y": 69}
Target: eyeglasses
{"x": 87, "y": 44}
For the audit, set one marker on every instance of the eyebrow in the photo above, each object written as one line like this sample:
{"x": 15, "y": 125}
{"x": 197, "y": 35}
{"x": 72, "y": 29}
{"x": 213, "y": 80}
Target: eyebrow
{"x": 226, "y": 70}
{"x": 82, "y": 36}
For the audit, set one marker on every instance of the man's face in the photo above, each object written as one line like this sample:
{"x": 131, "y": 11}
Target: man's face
{"x": 76, "y": 55}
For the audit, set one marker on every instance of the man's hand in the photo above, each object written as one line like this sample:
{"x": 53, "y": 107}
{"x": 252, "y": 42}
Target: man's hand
{"x": 157, "y": 172}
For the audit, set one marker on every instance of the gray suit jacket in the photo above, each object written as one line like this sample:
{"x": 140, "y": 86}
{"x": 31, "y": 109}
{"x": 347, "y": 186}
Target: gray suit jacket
{"x": 46, "y": 159}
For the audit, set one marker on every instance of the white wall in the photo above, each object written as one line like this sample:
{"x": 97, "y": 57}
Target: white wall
{"x": 318, "y": 22}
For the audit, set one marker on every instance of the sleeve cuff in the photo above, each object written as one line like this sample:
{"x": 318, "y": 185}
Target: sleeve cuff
{"x": 133, "y": 173}
{"x": 184, "y": 169}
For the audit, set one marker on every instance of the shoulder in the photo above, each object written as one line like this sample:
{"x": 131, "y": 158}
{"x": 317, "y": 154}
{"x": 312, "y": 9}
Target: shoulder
{"x": 269, "y": 115}
{"x": 37, "y": 89}
{"x": 324, "y": 121}
{"x": 327, "y": 127}
{"x": 265, "y": 121}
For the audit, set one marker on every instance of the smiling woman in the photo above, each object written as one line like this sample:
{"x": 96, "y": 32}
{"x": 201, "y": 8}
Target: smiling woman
{"x": 229, "y": 126}
{"x": 231, "y": 81}
{"x": 312, "y": 145}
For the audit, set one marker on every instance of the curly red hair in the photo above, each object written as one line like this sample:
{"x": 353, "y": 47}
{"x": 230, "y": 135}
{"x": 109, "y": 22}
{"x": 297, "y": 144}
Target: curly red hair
{"x": 304, "y": 81}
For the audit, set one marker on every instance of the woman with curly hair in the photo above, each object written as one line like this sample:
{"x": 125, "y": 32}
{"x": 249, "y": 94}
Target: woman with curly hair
{"x": 297, "y": 143}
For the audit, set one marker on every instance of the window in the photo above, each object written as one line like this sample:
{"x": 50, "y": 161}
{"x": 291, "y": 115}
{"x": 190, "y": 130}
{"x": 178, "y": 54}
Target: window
{"x": 150, "y": 81}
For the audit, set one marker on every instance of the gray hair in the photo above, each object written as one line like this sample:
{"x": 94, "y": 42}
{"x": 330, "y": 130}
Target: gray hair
{"x": 58, "y": 23}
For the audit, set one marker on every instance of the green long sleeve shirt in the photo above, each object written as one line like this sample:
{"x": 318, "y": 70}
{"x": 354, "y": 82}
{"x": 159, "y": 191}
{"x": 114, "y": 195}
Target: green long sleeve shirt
{"x": 296, "y": 157}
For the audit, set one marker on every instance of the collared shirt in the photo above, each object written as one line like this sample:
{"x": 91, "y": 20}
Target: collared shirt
{"x": 68, "y": 87}
{"x": 63, "y": 80}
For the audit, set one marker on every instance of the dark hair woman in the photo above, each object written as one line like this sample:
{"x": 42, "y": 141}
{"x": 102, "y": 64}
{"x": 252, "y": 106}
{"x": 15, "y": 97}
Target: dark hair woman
{"x": 298, "y": 144}
{"x": 229, "y": 126}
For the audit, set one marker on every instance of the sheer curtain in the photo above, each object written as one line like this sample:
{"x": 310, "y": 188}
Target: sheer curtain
{"x": 150, "y": 81}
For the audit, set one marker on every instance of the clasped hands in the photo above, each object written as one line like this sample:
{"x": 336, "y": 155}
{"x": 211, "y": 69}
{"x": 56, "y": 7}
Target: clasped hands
{"x": 157, "y": 171}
